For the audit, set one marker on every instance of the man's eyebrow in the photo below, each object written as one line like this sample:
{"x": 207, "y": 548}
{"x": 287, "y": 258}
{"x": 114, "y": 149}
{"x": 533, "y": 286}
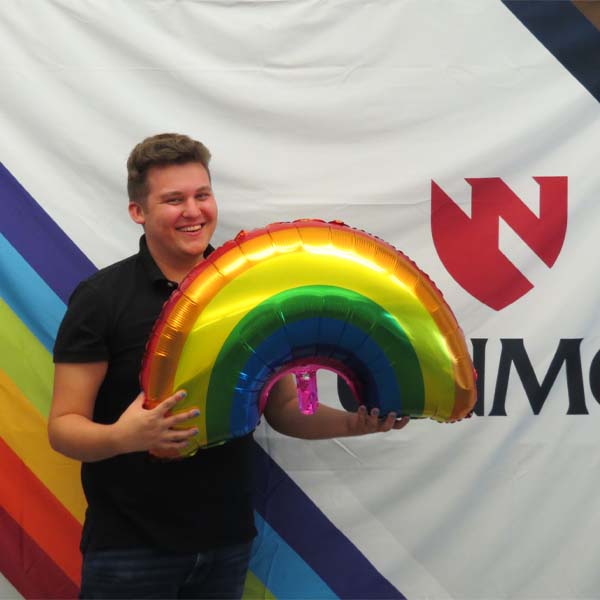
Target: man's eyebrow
{"x": 169, "y": 193}
{"x": 202, "y": 188}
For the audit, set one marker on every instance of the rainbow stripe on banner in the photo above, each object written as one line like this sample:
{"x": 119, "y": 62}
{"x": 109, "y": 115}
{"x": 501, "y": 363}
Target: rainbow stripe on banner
{"x": 570, "y": 30}
{"x": 42, "y": 504}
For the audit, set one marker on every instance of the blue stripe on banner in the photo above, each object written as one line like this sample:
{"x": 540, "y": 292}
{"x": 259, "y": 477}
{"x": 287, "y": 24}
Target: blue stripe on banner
{"x": 41, "y": 242}
{"x": 565, "y": 32}
{"x": 326, "y": 550}
{"x": 281, "y": 570}
{"x": 29, "y": 296}
{"x": 290, "y": 514}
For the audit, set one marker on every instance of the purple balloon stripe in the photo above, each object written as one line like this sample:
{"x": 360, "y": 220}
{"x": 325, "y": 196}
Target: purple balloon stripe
{"x": 39, "y": 240}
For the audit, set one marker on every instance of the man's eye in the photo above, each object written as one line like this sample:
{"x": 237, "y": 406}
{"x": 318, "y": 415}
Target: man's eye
{"x": 202, "y": 196}
{"x": 174, "y": 200}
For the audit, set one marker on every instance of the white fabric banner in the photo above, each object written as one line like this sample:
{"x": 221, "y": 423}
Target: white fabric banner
{"x": 362, "y": 111}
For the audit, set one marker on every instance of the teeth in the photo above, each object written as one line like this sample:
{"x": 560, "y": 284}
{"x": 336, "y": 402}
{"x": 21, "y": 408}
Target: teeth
{"x": 191, "y": 228}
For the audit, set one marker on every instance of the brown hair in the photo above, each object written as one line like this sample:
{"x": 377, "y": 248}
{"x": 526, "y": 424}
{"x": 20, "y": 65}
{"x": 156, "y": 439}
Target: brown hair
{"x": 159, "y": 150}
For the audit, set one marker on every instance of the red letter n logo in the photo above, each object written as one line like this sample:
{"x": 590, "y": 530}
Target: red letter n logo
{"x": 469, "y": 246}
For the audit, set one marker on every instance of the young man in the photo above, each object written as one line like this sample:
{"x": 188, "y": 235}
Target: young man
{"x": 156, "y": 529}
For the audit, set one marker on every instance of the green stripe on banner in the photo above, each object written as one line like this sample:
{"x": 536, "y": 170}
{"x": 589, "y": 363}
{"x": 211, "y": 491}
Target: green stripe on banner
{"x": 25, "y": 360}
{"x": 254, "y": 589}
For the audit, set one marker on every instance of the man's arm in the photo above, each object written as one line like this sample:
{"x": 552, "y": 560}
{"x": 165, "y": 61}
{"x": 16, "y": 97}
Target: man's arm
{"x": 283, "y": 415}
{"x": 72, "y": 431}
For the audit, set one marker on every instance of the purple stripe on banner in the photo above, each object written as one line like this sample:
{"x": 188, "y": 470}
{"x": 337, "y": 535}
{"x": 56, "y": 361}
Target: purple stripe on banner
{"x": 280, "y": 502}
{"x": 567, "y": 34}
{"x": 313, "y": 536}
{"x": 39, "y": 240}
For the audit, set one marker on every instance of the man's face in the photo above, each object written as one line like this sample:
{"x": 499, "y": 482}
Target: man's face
{"x": 179, "y": 215}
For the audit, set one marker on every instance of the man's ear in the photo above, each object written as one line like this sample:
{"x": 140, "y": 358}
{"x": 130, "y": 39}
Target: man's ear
{"x": 136, "y": 212}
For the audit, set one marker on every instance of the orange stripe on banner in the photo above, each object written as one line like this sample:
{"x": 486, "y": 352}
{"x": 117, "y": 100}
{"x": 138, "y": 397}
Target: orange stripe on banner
{"x": 39, "y": 513}
{"x": 23, "y": 429}
{"x": 591, "y": 10}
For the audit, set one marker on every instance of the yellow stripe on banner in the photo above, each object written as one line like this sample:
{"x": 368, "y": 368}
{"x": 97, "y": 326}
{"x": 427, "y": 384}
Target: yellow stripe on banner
{"x": 23, "y": 428}
{"x": 25, "y": 360}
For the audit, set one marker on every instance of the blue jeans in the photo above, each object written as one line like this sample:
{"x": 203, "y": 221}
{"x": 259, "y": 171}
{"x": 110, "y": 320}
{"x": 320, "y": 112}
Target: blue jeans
{"x": 147, "y": 573}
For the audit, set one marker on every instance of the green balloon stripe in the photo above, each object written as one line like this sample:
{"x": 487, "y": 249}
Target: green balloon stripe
{"x": 328, "y": 302}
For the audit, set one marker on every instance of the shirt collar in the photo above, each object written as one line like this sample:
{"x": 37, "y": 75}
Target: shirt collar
{"x": 152, "y": 268}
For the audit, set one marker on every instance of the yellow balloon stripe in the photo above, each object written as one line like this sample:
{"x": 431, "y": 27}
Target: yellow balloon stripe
{"x": 261, "y": 264}
{"x": 25, "y": 360}
{"x": 24, "y": 429}
{"x": 282, "y": 272}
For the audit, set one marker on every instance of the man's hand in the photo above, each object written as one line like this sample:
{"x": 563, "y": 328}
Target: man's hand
{"x": 73, "y": 432}
{"x": 283, "y": 415}
{"x": 361, "y": 422}
{"x": 140, "y": 429}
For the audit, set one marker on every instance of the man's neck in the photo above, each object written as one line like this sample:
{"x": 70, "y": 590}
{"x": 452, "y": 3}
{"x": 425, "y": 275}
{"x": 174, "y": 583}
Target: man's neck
{"x": 176, "y": 275}
{"x": 174, "y": 270}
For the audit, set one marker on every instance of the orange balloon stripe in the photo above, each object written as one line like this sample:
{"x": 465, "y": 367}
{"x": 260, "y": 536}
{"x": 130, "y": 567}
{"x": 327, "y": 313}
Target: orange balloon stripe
{"x": 40, "y": 514}
{"x": 168, "y": 338}
{"x": 248, "y": 248}
{"x": 464, "y": 373}
{"x": 462, "y": 366}
{"x": 23, "y": 429}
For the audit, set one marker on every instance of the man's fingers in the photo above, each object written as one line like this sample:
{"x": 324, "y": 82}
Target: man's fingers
{"x": 182, "y": 417}
{"x": 169, "y": 451}
{"x": 388, "y": 422}
{"x": 371, "y": 421}
{"x": 181, "y": 436}
{"x": 140, "y": 399}
{"x": 176, "y": 442}
{"x": 403, "y": 422}
{"x": 166, "y": 405}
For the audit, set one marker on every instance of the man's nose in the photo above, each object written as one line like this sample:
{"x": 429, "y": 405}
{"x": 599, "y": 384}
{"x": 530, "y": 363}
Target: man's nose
{"x": 191, "y": 208}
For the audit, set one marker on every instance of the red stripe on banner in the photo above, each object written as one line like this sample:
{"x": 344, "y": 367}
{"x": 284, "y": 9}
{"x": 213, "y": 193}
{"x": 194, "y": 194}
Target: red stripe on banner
{"x": 49, "y": 524}
{"x": 29, "y": 569}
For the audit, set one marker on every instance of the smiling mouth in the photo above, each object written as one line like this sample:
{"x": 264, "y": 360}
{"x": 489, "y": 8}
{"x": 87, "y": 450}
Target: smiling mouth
{"x": 190, "y": 228}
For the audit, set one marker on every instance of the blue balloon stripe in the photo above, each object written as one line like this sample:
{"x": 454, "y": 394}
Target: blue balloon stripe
{"x": 29, "y": 296}
{"x": 360, "y": 350}
{"x": 567, "y": 34}
{"x": 325, "y": 549}
{"x": 282, "y": 570}
{"x": 39, "y": 240}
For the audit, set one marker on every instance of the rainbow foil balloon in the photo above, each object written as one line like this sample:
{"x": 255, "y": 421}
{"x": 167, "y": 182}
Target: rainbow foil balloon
{"x": 294, "y": 298}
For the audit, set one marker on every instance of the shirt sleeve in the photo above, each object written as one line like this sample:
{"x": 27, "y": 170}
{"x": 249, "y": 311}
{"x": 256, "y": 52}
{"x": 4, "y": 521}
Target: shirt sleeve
{"x": 83, "y": 334}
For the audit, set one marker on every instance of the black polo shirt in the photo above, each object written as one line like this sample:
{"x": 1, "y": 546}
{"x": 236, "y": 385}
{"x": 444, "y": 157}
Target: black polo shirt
{"x": 133, "y": 499}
